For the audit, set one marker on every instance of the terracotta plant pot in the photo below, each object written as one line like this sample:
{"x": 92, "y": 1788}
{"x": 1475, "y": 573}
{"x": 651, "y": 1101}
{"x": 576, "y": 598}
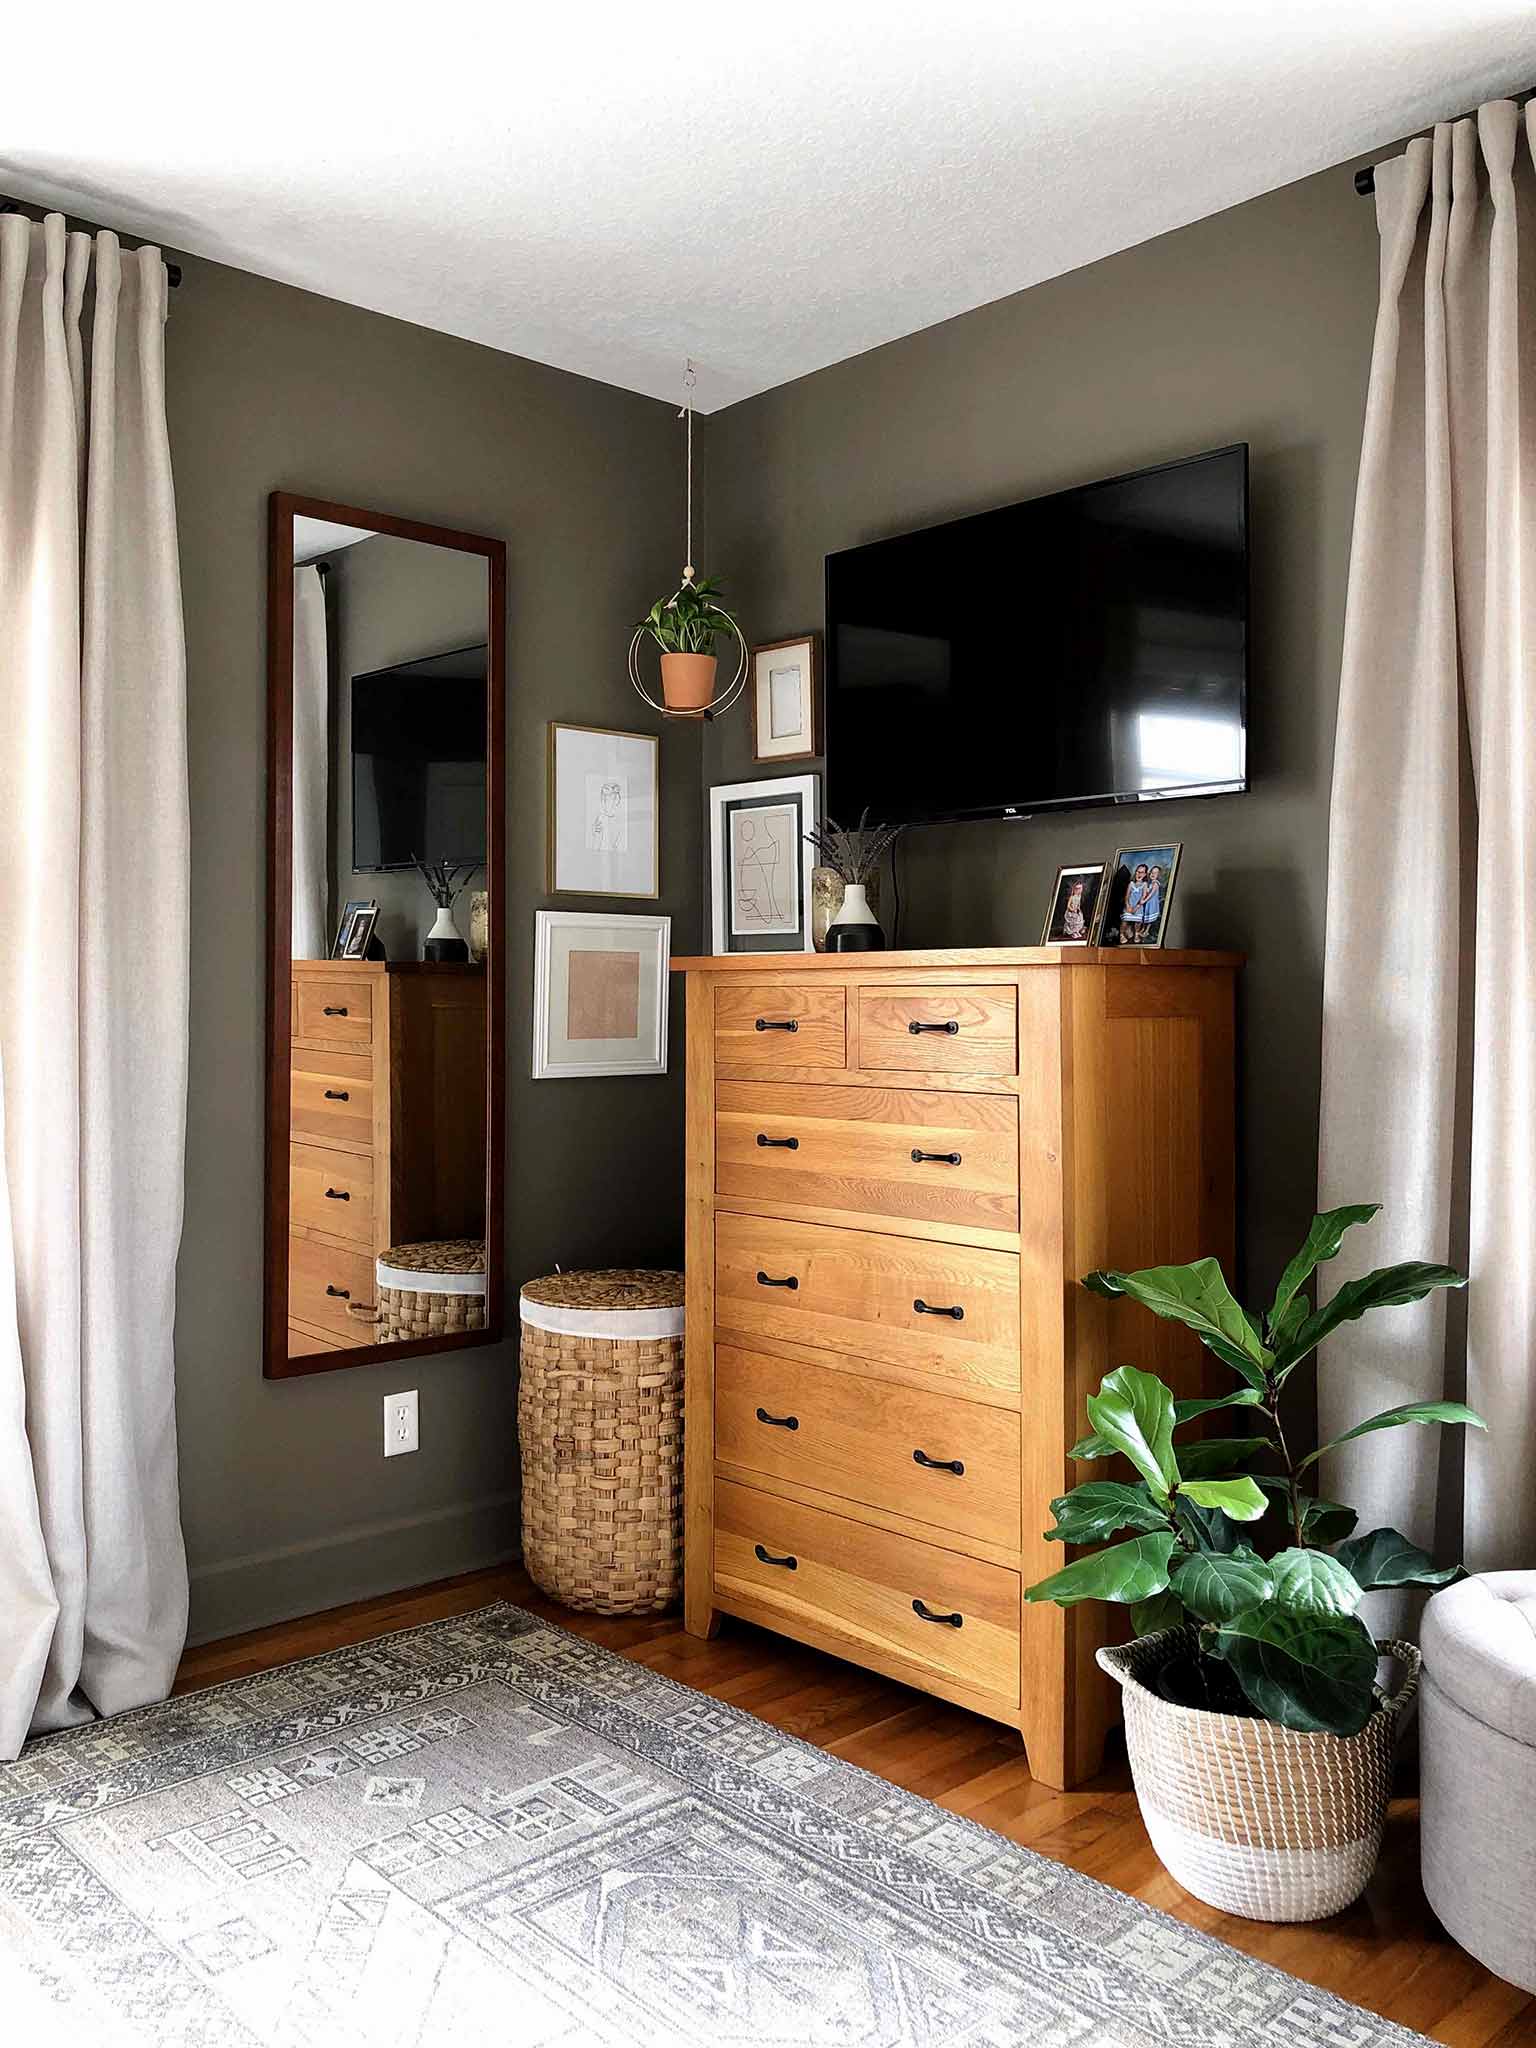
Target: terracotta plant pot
{"x": 687, "y": 681}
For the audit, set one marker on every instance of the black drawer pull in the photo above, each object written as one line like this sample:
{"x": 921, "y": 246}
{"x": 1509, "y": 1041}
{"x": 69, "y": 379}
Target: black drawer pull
{"x": 337, "y": 1195}
{"x": 939, "y": 1464}
{"x": 937, "y": 1158}
{"x": 341, "y": 1012}
{"x": 784, "y": 1144}
{"x": 778, "y": 1421}
{"x": 950, "y": 1029}
{"x": 791, "y": 1283}
{"x": 923, "y": 1309}
{"x": 343, "y": 1095}
{"x": 340, "y": 1293}
{"x": 790, "y": 1564}
{"x": 777, "y": 1024}
{"x": 927, "y": 1614}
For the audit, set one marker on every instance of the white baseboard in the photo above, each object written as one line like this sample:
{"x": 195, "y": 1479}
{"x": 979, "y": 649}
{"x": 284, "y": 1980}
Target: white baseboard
{"x": 240, "y": 1593}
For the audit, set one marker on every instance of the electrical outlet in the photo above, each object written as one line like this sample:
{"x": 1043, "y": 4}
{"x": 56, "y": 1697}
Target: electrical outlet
{"x": 401, "y": 1427}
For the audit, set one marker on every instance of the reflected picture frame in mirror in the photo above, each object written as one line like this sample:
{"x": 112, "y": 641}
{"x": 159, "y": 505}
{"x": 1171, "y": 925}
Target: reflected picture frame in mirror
{"x": 292, "y": 984}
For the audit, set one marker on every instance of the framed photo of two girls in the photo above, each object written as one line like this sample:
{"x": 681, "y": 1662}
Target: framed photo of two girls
{"x": 1122, "y": 903}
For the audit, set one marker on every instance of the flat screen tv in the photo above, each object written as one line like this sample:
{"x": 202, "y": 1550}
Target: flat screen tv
{"x": 1090, "y": 647}
{"x": 418, "y": 763}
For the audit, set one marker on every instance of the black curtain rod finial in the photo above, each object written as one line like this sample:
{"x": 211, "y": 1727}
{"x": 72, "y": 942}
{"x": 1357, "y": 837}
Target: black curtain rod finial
{"x": 1365, "y": 181}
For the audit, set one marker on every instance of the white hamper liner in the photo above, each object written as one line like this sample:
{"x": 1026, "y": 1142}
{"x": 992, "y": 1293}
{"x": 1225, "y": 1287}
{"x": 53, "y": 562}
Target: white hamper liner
{"x": 627, "y": 1326}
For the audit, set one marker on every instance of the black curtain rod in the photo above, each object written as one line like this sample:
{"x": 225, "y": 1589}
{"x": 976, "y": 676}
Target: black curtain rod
{"x": 172, "y": 270}
{"x": 1365, "y": 181}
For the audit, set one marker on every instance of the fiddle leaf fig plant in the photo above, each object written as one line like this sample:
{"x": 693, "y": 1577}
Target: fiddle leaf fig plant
{"x": 1271, "y": 1609}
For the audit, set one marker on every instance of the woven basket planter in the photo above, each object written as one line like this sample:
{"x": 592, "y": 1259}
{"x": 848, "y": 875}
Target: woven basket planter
{"x": 433, "y": 1289}
{"x": 1253, "y": 1818}
{"x": 600, "y": 1414}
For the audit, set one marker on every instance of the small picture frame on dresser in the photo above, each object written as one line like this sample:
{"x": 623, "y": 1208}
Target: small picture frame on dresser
{"x": 1139, "y": 895}
{"x": 355, "y": 930}
{"x": 760, "y": 864}
{"x": 786, "y": 699}
{"x": 1076, "y": 901}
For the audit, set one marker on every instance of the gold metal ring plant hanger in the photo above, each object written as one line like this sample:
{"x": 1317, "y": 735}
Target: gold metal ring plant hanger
{"x": 686, "y": 625}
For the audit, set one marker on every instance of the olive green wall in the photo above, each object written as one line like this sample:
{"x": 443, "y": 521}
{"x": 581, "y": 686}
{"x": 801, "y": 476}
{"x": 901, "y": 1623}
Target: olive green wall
{"x": 1251, "y": 326}
{"x": 287, "y": 1501}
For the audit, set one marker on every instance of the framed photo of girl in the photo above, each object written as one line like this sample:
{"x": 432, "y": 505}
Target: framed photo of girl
{"x": 1139, "y": 895}
{"x": 1075, "y": 904}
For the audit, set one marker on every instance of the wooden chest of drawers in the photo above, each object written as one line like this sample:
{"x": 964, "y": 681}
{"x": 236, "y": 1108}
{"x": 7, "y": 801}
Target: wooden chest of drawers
{"x": 386, "y": 1129}
{"x": 898, "y": 1168}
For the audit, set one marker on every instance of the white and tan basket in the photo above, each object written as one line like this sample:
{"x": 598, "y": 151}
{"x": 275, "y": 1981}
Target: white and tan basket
{"x": 432, "y": 1289}
{"x": 1253, "y": 1818}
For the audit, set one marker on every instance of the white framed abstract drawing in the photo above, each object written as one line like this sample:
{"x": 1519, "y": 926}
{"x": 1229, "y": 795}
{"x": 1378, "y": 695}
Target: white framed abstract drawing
{"x": 604, "y": 817}
{"x": 599, "y": 994}
{"x": 760, "y": 864}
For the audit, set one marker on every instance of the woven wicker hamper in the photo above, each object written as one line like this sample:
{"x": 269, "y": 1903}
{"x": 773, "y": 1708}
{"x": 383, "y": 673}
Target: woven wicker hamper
{"x": 433, "y": 1289}
{"x": 600, "y": 1414}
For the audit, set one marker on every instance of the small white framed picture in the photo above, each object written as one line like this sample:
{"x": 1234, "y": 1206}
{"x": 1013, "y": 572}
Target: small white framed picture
{"x": 760, "y": 864}
{"x": 599, "y": 994}
{"x": 786, "y": 699}
{"x": 1073, "y": 916}
{"x": 604, "y": 814}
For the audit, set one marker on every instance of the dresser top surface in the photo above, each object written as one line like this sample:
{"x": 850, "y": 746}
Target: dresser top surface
{"x": 951, "y": 957}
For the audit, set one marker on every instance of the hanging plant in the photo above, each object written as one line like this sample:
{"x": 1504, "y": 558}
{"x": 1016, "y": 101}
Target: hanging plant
{"x": 685, "y": 627}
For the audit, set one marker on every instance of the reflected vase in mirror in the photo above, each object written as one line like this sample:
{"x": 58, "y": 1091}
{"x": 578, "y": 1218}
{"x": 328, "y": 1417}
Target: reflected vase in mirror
{"x": 384, "y": 1185}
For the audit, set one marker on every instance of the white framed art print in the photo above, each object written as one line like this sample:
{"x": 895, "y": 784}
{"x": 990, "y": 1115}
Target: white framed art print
{"x": 599, "y": 994}
{"x": 604, "y": 814}
{"x": 760, "y": 864}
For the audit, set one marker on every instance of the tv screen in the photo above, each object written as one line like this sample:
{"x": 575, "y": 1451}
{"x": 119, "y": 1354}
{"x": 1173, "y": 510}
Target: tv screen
{"x": 1086, "y": 648}
{"x": 418, "y": 763}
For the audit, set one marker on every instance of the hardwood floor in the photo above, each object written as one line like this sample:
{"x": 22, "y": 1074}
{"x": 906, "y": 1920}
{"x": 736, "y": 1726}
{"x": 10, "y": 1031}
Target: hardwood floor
{"x": 1388, "y": 1952}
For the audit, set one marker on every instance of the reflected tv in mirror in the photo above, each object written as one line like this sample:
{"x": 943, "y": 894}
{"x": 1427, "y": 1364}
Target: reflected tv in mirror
{"x": 418, "y": 763}
{"x": 1090, "y": 647}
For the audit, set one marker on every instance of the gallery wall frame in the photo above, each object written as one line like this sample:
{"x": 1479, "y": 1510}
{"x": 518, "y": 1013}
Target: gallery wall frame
{"x": 760, "y": 864}
{"x": 600, "y": 984}
{"x": 603, "y": 812}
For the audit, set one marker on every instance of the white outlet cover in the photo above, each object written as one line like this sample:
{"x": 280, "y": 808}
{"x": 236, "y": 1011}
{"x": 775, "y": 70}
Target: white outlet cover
{"x": 402, "y": 1431}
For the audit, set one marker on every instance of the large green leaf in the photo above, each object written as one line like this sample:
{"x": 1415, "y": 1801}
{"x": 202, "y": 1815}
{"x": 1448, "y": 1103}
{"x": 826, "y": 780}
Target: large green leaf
{"x": 1240, "y": 1397}
{"x": 1322, "y": 1521}
{"x": 1386, "y": 1558}
{"x": 1315, "y": 1673}
{"x": 1126, "y": 1572}
{"x": 1239, "y": 1499}
{"x": 1204, "y": 1528}
{"x": 1101, "y": 1508}
{"x": 1163, "y": 1610}
{"x": 1388, "y": 1287}
{"x": 1211, "y": 1456}
{"x": 1322, "y": 1242}
{"x": 1390, "y": 1418}
{"x": 1199, "y": 1297}
{"x": 1091, "y": 1446}
{"x": 1133, "y": 1412}
{"x": 1217, "y": 1588}
{"x": 1312, "y": 1582}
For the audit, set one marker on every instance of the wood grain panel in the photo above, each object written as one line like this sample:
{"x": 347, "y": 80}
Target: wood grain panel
{"x": 331, "y": 1192}
{"x": 819, "y": 1017}
{"x": 332, "y": 1096}
{"x": 984, "y": 1038}
{"x": 335, "y": 1009}
{"x": 858, "y": 1291}
{"x": 852, "y": 1149}
{"x": 322, "y": 1281}
{"x": 861, "y": 1583}
{"x": 858, "y": 1439}
{"x": 699, "y": 1616}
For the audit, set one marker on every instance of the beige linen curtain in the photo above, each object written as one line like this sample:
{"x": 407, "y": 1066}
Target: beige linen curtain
{"x": 311, "y": 762}
{"x": 1429, "y": 1030}
{"x": 93, "y": 982}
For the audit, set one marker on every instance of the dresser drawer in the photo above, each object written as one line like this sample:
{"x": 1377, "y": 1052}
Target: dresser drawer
{"x": 890, "y": 1447}
{"x": 340, "y": 1012}
{"x": 933, "y": 1155}
{"x": 769, "y": 1027}
{"x": 322, "y": 1281}
{"x": 939, "y": 1031}
{"x": 870, "y": 1589}
{"x": 331, "y": 1191}
{"x": 890, "y": 1298}
{"x": 331, "y": 1095}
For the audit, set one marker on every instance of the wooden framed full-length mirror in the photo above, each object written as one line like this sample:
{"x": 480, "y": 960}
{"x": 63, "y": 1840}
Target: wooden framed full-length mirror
{"x": 386, "y": 969}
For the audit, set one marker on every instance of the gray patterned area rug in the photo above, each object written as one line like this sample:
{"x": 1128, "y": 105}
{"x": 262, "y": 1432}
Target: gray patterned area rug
{"x": 488, "y": 1831}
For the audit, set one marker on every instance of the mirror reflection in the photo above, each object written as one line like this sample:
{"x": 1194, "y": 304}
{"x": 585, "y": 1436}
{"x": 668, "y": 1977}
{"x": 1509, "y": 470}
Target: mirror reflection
{"x": 387, "y": 1047}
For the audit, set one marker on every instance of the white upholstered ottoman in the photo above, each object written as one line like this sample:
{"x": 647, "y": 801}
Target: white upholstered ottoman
{"x": 1478, "y": 1763}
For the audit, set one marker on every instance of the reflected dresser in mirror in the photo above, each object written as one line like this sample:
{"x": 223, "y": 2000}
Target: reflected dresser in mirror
{"x": 385, "y": 971}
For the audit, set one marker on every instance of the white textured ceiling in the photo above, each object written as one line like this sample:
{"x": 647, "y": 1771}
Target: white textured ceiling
{"x": 768, "y": 188}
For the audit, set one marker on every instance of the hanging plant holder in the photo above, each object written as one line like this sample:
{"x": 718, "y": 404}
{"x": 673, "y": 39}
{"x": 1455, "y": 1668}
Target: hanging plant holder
{"x": 686, "y": 625}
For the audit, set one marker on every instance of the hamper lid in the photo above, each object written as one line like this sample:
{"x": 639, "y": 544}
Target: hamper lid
{"x": 626, "y": 1302}
{"x": 444, "y": 1265}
